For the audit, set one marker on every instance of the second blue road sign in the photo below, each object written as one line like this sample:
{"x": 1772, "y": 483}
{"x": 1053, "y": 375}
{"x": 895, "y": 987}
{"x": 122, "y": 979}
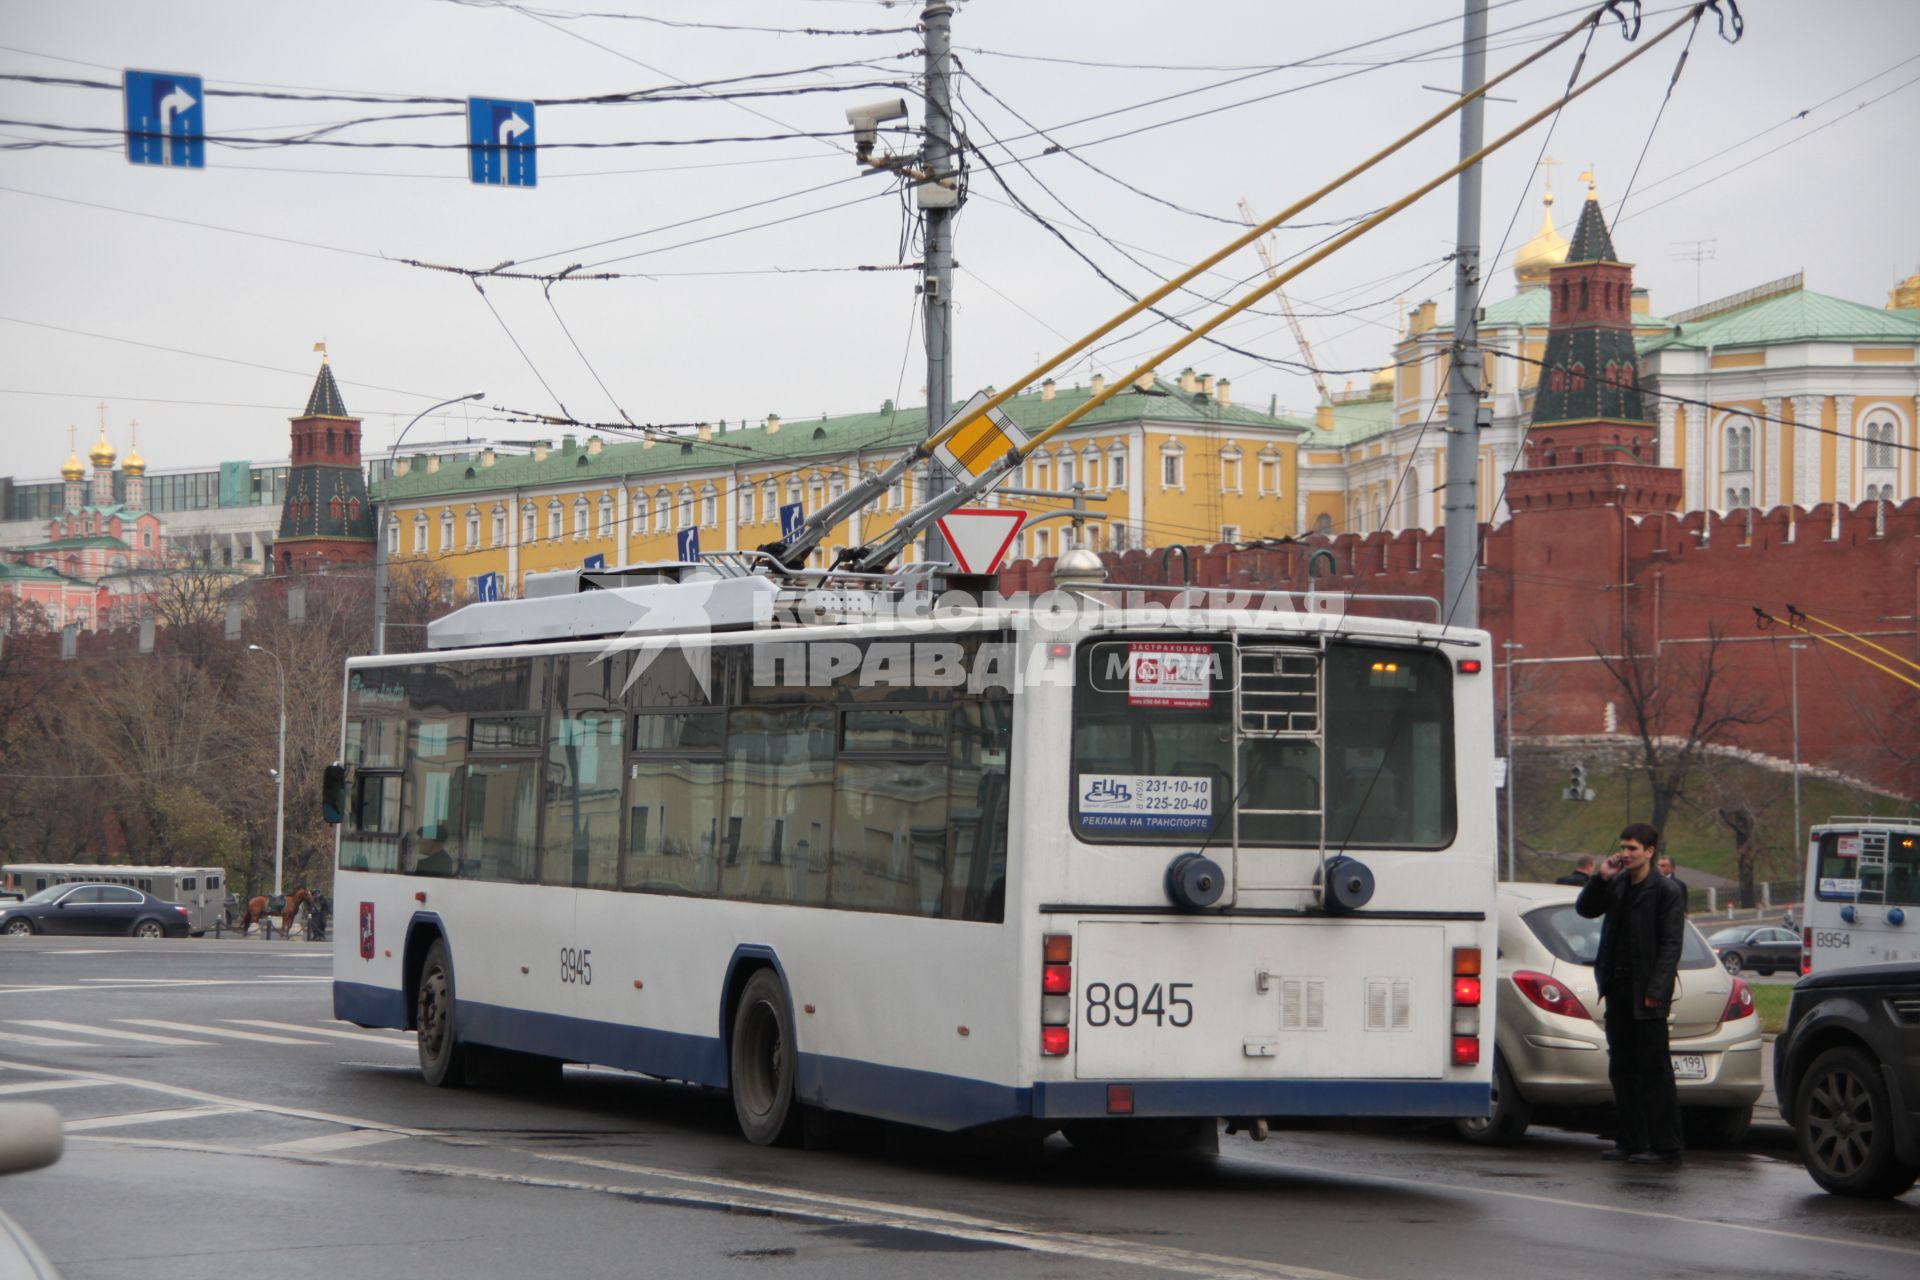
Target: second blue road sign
{"x": 500, "y": 142}
{"x": 166, "y": 119}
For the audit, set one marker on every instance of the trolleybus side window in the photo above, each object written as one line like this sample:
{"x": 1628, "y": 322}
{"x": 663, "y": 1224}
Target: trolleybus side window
{"x": 581, "y": 841}
{"x": 674, "y": 801}
{"x": 887, "y": 796}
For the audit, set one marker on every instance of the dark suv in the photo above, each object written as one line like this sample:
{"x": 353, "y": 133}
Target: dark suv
{"x": 1847, "y": 1072}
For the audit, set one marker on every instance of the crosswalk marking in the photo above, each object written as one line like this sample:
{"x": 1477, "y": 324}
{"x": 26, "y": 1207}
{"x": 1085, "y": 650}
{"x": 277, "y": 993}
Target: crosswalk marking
{"x": 337, "y": 1141}
{"x": 142, "y": 1037}
{"x": 161, "y": 1024}
{"x": 391, "y": 1041}
{"x": 146, "y": 1117}
{"x": 43, "y": 1086}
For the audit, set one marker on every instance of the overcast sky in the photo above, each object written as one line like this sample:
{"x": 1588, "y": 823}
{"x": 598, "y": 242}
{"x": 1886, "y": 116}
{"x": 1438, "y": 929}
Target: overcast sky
{"x": 711, "y": 333}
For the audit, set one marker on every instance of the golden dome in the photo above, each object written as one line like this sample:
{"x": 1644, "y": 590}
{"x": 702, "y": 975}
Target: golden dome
{"x": 1906, "y": 293}
{"x": 1382, "y": 379}
{"x": 1538, "y": 256}
{"x": 102, "y": 454}
{"x": 72, "y": 468}
{"x": 134, "y": 465}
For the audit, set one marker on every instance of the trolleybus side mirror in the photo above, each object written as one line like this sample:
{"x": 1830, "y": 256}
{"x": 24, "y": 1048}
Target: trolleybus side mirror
{"x": 333, "y": 793}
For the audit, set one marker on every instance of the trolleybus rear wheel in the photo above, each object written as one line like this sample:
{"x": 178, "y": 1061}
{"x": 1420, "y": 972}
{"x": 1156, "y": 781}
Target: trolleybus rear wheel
{"x": 761, "y": 1065}
{"x": 440, "y": 1056}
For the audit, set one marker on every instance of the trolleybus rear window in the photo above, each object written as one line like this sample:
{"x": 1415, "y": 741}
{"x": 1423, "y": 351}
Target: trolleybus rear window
{"x": 1875, "y": 866}
{"x": 1175, "y": 738}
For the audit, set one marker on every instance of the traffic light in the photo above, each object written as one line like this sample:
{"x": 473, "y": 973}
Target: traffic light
{"x": 1577, "y": 788}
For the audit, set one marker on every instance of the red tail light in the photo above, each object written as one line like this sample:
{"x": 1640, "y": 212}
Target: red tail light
{"x": 1550, "y": 994}
{"x": 1466, "y": 1051}
{"x": 1806, "y": 951}
{"x": 1056, "y": 979}
{"x": 1054, "y": 1042}
{"x": 1466, "y": 991}
{"x": 1739, "y": 1003}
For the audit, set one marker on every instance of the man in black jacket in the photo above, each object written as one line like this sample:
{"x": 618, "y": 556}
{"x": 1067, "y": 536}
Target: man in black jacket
{"x": 1644, "y": 921}
{"x": 1581, "y": 873}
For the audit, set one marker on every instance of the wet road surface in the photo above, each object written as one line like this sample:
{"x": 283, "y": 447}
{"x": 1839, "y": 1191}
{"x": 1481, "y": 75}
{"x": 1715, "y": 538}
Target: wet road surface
{"x": 218, "y": 1117}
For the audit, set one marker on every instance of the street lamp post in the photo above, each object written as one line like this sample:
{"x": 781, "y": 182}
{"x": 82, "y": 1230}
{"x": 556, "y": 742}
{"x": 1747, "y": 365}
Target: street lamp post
{"x": 1793, "y": 660}
{"x": 279, "y": 775}
{"x": 1511, "y": 648}
{"x": 380, "y": 526}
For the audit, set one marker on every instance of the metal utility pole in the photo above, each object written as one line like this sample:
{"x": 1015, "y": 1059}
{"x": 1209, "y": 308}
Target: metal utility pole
{"x": 1462, "y": 500}
{"x": 382, "y": 512}
{"x": 279, "y": 774}
{"x": 1793, "y": 659}
{"x": 939, "y": 200}
{"x": 1511, "y": 648}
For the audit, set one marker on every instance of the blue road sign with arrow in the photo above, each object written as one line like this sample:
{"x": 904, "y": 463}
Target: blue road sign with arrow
{"x": 792, "y": 517}
{"x": 689, "y": 543}
{"x": 595, "y": 561}
{"x": 487, "y": 587}
{"x": 500, "y": 146}
{"x": 166, "y": 119}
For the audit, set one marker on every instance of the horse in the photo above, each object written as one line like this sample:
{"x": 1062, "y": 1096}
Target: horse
{"x": 257, "y": 910}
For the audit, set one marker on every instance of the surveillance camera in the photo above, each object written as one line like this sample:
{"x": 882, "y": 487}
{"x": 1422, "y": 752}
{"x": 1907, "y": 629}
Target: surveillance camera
{"x": 866, "y": 119}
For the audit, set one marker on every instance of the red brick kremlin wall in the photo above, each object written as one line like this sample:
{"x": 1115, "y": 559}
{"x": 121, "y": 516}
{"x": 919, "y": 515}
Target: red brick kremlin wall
{"x": 1553, "y": 579}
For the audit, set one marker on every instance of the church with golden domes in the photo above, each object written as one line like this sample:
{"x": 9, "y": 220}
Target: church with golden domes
{"x": 94, "y": 570}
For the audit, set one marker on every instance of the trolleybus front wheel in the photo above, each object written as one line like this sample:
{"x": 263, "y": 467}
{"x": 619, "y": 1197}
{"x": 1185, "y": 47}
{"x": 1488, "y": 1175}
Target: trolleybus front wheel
{"x": 440, "y": 1056}
{"x": 761, "y": 1065}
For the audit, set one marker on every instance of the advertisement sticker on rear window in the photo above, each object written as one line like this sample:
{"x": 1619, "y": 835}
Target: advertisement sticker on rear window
{"x": 1830, "y": 884}
{"x": 1143, "y": 802}
{"x": 1169, "y": 675}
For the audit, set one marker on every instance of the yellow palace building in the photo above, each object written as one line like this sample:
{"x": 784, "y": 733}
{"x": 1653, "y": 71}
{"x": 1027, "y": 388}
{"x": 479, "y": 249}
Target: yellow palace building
{"x": 1164, "y": 461}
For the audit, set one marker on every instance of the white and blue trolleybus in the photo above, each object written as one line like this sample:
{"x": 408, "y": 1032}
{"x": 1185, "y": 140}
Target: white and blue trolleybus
{"x": 850, "y": 842}
{"x": 1862, "y": 903}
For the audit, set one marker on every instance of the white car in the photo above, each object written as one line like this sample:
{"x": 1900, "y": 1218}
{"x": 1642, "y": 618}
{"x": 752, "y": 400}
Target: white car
{"x": 1550, "y": 1050}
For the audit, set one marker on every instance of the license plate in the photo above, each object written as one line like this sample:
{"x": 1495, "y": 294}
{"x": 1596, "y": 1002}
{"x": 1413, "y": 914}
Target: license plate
{"x": 1689, "y": 1066}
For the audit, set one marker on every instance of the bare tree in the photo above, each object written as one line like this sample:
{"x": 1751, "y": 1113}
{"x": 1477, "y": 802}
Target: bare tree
{"x": 416, "y": 595}
{"x": 1678, "y": 703}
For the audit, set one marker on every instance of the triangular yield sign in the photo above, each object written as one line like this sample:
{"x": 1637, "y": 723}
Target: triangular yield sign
{"x": 980, "y": 536}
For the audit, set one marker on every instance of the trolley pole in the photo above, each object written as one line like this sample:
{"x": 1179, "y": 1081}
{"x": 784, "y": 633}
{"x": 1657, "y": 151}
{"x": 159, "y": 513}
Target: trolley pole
{"x": 939, "y": 203}
{"x": 1462, "y": 492}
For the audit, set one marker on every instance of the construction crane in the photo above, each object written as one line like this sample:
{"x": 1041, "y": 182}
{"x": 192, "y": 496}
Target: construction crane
{"x": 1299, "y": 334}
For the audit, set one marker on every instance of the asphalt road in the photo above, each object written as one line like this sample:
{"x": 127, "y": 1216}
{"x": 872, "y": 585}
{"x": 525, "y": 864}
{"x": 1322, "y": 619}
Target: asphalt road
{"x": 218, "y": 1119}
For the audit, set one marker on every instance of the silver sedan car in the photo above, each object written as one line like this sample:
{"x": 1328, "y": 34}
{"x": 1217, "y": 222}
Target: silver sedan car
{"x": 1550, "y": 1048}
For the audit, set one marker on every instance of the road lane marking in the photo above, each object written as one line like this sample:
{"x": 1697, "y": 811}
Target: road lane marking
{"x": 398, "y": 1042}
{"x": 783, "y": 1203}
{"x": 146, "y": 1117}
{"x": 240, "y": 1104}
{"x": 43, "y": 1042}
{"x": 161, "y": 1024}
{"x": 141, "y": 1037}
{"x": 46, "y": 1086}
{"x": 75, "y": 951}
{"x": 155, "y": 984}
{"x": 337, "y": 1141}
